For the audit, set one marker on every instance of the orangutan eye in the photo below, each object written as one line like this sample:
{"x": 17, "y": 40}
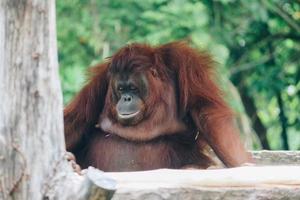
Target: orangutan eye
{"x": 132, "y": 88}
{"x": 120, "y": 88}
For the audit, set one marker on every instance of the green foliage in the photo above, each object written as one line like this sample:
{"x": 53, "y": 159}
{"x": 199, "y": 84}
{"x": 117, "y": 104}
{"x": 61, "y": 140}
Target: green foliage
{"x": 256, "y": 44}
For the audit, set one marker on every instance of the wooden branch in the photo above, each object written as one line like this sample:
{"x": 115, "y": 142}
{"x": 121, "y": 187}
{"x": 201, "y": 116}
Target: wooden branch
{"x": 259, "y": 42}
{"x": 285, "y": 16}
{"x": 248, "y": 66}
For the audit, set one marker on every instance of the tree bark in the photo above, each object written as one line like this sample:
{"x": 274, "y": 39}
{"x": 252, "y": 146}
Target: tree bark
{"x": 31, "y": 108}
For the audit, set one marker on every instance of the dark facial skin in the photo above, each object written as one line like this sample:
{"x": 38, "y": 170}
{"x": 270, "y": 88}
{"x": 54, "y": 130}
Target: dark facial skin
{"x": 129, "y": 93}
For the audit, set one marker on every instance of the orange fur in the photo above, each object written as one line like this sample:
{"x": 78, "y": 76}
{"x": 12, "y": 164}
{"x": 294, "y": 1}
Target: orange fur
{"x": 183, "y": 100}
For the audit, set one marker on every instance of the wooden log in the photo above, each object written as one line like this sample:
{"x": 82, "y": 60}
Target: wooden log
{"x": 268, "y": 182}
{"x": 277, "y": 157}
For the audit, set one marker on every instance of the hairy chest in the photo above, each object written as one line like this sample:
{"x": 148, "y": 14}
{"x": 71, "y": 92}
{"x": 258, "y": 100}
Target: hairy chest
{"x": 112, "y": 153}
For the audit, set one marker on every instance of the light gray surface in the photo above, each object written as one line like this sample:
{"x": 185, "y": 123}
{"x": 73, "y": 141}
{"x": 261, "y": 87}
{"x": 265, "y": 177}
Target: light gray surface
{"x": 277, "y": 157}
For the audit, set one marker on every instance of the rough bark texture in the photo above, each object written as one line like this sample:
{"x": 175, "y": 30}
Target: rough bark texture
{"x": 31, "y": 105}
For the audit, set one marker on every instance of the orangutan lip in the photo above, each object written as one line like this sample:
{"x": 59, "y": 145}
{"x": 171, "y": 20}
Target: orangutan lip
{"x": 128, "y": 115}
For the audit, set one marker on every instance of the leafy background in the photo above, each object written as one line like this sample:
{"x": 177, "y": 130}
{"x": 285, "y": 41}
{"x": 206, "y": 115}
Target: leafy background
{"x": 256, "y": 45}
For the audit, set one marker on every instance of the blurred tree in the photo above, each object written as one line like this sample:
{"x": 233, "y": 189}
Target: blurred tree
{"x": 263, "y": 41}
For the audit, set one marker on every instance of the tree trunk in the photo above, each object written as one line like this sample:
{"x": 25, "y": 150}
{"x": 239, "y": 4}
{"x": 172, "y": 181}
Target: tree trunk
{"x": 283, "y": 121}
{"x": 251, "y": 110}
{"x": 31, "y": 101}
